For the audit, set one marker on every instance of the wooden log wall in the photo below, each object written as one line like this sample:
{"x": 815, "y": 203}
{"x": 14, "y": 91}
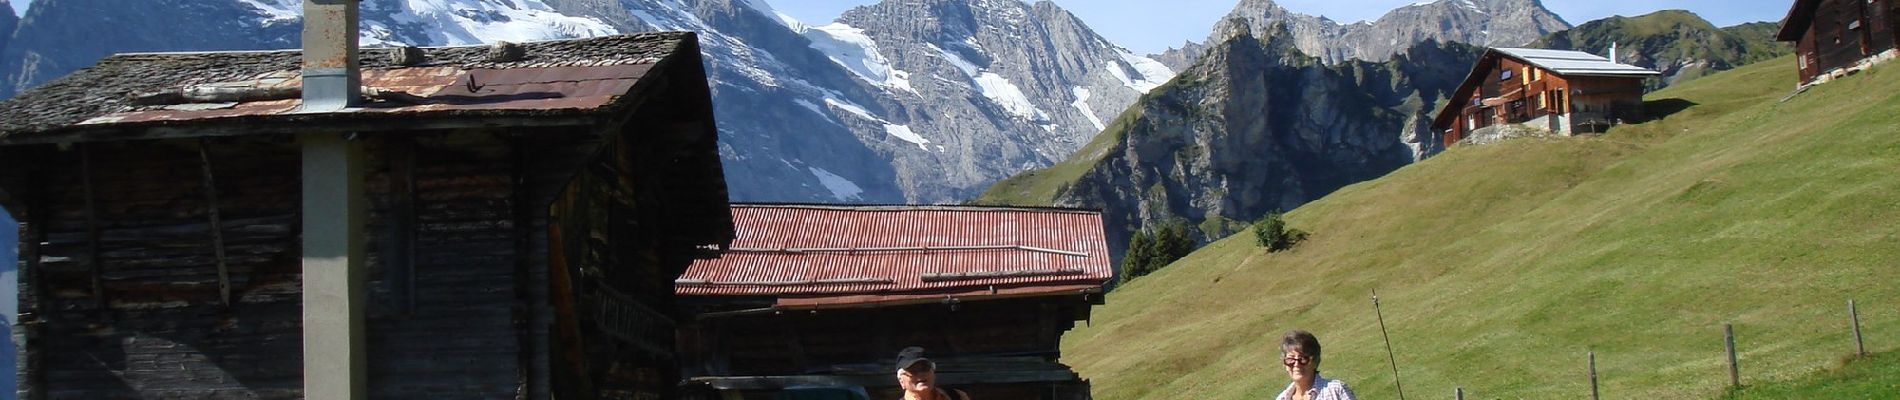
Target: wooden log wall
{"x": 474, "y": 291}
{"x": 464, "y": 315}
{"x": 158, "y": 327}
{"x": 615, "y": 336}
{"x": 443, "y": 317}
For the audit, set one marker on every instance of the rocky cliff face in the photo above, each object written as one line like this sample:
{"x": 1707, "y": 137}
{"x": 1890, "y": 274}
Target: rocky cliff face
{"x": 59, "y": 36}
{"x": 902, "y": 101}
{"x": 1254, "y": 126}
{"x": 1180, "y": 58}
{"x": 1678, "y": 43}
{"x": 7, "y": 22}
{"x": 1477, "y": 22}
{"x": 992, "y": 87}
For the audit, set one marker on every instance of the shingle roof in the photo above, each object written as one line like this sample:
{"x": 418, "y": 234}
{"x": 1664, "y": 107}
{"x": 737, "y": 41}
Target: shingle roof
{"x": 815, "y": 256}
{"x": 565, "y": 77}
{"x": 1567, "y": 62}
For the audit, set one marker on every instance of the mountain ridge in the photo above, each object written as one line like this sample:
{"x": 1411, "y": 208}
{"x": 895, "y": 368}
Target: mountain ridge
{"x": 1255, "y": 126}
{"x": 1678, "y": 43}
{"x": 1476, "y": 22}
{"x": 808, "y": 113}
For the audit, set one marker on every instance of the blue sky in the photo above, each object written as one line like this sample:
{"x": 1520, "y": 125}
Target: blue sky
{"x": 1142, "y": 26}
{"x": 1145, "y": 28}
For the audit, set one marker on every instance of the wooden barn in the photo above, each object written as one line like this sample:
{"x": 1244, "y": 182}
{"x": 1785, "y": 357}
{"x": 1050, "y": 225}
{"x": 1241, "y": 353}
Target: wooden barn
{"x": 464, "y": 222}
{"x": 1562, "y": 91}
{"x": 824, "y": 297}
{"x": 1833, "y": 37}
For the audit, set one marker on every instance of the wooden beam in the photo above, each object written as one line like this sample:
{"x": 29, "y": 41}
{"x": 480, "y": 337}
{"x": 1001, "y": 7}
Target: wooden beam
{"x": 567, "y": 324}
{"x": 523, "y": 231}
{"x": 216, "y": 221}
{"x": 92, "y": 228}
{"x": 267, "y": 125}
{"x": 399, "y": 260}
{"x": 32, "y": 318}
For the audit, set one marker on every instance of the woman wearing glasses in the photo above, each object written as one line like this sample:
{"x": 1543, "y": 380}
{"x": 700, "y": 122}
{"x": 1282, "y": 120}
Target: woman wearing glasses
{"x": 1300, "y": 354}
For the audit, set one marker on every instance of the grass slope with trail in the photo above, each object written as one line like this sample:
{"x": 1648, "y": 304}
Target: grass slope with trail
{"x": 1500, "y": 265}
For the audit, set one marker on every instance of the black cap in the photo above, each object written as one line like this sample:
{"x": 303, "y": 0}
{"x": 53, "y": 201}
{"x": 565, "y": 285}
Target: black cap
{"x": 911, "y": 356}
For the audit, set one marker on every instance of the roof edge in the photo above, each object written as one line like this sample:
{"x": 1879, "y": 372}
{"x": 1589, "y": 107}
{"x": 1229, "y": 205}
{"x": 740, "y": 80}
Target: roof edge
{"x": 917, "y": 207}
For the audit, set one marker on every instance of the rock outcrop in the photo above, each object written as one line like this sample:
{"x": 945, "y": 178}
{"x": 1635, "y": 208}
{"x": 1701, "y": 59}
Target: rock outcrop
{"x": 1477, "y": 22}
{"x": 1255, "y": 126}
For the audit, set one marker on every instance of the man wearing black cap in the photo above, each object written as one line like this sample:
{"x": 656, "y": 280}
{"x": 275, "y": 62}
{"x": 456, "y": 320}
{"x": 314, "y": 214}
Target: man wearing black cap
{"x": 918, "y": 377}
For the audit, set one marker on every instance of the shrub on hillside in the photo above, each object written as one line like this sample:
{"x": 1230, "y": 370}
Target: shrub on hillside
{"x": 1150, "y": 250}
{"x": 1271, "y": 232}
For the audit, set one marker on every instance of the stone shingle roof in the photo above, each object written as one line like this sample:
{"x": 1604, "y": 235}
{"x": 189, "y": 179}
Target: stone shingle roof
{"x": 1567, "y": 62}
{"x": 101, "y": 97}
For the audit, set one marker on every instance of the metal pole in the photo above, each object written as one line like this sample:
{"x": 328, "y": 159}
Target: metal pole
{"x": 1388, "y": 344}
{"x": 1734, "y": 374}
{"x": 1860, "y": 348}
{"x": 1593, "y": 376}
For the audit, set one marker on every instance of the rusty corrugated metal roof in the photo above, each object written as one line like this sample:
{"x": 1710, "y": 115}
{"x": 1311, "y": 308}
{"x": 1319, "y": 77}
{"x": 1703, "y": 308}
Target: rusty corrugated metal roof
{"x": 125, "y": 93}
{"x": 812, "y": 255}
{"x": 427, "y": 89}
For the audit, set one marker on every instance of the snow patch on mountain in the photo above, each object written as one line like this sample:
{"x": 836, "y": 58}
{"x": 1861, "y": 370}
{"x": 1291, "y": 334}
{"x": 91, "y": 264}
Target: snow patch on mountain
{"x": 852, "y": 108}
{"x": 1148, "y": 72}
{"x": 278, "y": 10}
{"x": 850, "y": 47}
{"x": 1082, "y": 104}
{"x": 841, "y": 189}
{"x": 1006, "y": 94}
{"x": 814, "y": 109}
{"x": 904, "y": 133}
{"x": 466, "y": 22}
{"x": 783, "y": 18}
{"x": 969, "y": 69}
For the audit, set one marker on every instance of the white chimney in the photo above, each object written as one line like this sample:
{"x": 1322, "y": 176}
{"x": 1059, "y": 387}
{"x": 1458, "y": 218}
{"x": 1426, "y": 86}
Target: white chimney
{"x": 332, "y": 79}
{"x": 1613, "y": 53}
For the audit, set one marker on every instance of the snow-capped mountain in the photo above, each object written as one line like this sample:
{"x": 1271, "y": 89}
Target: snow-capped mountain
{"x": 1476, "y": 22}
{"x": 902, "y": 101}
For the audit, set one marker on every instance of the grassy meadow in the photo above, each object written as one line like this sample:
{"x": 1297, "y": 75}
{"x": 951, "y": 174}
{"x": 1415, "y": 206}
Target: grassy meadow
{"x": 1499, "y": 266}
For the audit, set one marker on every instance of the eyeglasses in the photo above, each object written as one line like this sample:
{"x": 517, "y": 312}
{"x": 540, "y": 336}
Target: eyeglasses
{"x": 1292, "y": 361}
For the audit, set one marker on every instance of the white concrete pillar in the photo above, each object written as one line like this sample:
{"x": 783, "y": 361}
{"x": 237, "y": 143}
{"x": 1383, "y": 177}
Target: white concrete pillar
{"x": 334, "y": 362}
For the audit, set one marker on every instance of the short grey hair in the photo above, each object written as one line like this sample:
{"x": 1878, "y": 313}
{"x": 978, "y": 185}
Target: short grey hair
{"x": 1302, "y": 340}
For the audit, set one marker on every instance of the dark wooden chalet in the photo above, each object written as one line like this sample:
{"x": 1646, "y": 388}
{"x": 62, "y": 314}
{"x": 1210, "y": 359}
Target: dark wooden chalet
{"x": 465, "y": 222}
{"x": 1834, "y": 37}
{"x": 1561, "y": 91}
{"x": 824, "y": 296}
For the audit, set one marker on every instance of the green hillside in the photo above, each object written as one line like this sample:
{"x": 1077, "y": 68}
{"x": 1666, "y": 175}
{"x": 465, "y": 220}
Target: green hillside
{"x": 1500, "y": 265}
{"x": 1876, "y": 377}
{"x": 1678, "y": 43}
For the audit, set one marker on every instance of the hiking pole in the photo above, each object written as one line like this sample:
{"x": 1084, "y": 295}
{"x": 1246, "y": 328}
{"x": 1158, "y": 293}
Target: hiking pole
{"x": 1388, "y": 344}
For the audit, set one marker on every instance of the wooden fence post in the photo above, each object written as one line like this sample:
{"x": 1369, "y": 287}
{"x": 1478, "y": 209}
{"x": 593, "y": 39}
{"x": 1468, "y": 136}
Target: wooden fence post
{"x": 1593, "y": 376}
{"x": 1460, "y": 393}
{"x": 1853, "y": 317}
{"x": 1734, "y": 373}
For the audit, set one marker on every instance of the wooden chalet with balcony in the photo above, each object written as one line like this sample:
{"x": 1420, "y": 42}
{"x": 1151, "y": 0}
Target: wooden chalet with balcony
{"x": 813, "y": 297}
{"x": 1835, "y": 37}
{"x": 463, "y": 222}
{"x": 1562, "y": 91}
